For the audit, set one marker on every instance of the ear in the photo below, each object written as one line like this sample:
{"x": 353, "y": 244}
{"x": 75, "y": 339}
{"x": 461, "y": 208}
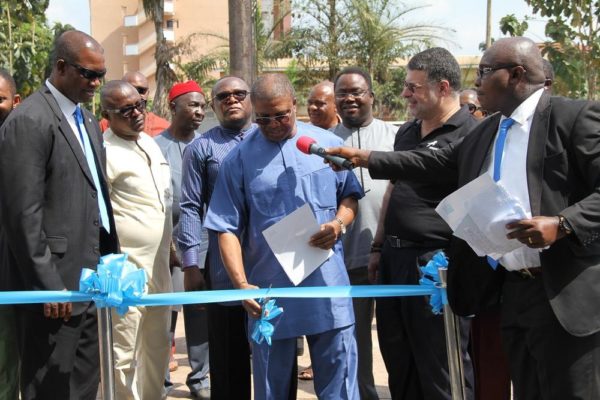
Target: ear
{"x": 444, "y": 86}
{"x": 518, "y": 74}
{"x": 16, "y": 100}
{"x": 172, "y": 107}
{"x": 61, "y": 66}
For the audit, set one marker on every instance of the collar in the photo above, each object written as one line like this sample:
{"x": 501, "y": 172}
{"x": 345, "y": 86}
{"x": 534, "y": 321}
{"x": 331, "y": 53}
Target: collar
{"x": 526, "y": 109}
{"x": 64, "y": 103}
{"x": 240, "y": 133}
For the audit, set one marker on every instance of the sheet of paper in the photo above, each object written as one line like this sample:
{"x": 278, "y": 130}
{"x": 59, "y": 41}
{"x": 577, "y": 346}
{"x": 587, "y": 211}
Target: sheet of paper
{"x": 478, "y": 213}
{"x": 288, "y": 239}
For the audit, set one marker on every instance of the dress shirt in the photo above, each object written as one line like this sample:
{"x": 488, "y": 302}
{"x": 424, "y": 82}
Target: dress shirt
{"x": 513, "y": 174}
{"x": 68, "y": 109}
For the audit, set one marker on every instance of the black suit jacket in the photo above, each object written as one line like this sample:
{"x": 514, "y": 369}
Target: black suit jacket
{"x": 563, "y": 176}
{"x": 48, "y": 202}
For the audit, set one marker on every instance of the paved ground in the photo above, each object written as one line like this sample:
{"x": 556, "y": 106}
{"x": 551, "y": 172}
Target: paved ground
{"x": 305, "y": 388}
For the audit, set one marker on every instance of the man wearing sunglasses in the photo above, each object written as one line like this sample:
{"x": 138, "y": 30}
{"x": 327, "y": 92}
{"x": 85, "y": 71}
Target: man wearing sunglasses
{"x": 260, "y": 182}
{"x": 140, "y": 191}
{"x": 56, "y": 219}
{"x": 153, "y": 124}
{"x": 468, "y": 97}
{"x": 544, "y": 151}
{"x": 227, "y": 341}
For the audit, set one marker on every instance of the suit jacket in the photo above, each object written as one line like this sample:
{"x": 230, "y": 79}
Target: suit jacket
{"x": 563, "y": 176}
{"x": 48, "y": 202}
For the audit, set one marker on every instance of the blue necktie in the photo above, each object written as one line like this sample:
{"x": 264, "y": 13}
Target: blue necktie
{"x": 498, "y": 151}
{"x": 89, "y": 156}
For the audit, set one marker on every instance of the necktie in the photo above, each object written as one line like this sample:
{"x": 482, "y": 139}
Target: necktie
{"x": 498, "y": 151}
{"x": 89, "y": 156}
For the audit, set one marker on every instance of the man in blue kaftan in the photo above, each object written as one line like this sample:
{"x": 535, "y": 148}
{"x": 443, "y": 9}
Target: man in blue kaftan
{"x": 261, "y": 181}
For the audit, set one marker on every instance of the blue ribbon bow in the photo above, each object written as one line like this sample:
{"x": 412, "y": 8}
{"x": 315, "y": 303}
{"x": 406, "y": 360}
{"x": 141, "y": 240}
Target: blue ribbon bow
{"x": 263, "y": 329}
{"x": 115, "y": 281}
{"x": 431, "y": 279}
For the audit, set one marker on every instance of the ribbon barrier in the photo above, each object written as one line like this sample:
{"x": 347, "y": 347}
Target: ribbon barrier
{"x": 119, "y": 284}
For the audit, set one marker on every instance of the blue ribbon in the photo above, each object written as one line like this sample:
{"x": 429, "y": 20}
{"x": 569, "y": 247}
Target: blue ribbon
{"x": 263, "y": 329}
{"x": 115, "y": 282}
{"x": 431, "y": 279}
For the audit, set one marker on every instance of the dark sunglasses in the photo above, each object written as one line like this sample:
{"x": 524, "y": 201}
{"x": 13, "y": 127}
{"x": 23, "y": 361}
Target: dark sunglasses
{"x": 127, "y": 111}
{"x": 282, "y": 119}
{"x": 412, "y": 87}
{"x": 141, "y": 90}
{"x": 88, "y": 74}
{"x": 239, "y": 95}
{"x": 473, "y": 108}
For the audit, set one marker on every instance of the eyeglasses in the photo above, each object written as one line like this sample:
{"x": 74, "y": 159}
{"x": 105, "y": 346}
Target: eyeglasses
{"x": 356, "y": 94}
{"x": 282, "y": 119}
{"x": 482, "y": 71}
{"x": 412, "y": 87}
{"x": 88, "y": 74}
{"x": 239, "y": 95}
{"x": 127, "y": 111}
{"x": 141, "y": 90}
{"x": 472, "y": 107}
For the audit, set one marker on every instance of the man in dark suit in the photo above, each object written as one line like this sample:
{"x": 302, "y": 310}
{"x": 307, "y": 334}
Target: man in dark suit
{"x": 550, "y": 162}
{"x": 56, "y": 219}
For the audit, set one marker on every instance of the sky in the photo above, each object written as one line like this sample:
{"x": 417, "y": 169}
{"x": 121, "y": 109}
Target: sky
{"x": 466, "y": 17}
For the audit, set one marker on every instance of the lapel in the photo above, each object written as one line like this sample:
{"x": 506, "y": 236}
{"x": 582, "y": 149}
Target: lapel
{"x": 481, "y": 145}
{"x": 538, "y": 135}
{"x": 68, "y": 133}
{"x": 95, "y": 142}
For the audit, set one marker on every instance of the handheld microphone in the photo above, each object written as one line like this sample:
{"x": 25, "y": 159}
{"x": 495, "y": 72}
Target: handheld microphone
{"x": 309, "y": 145}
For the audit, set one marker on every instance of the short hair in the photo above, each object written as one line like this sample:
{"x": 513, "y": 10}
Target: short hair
{"x": 439, "y": 64}
{"x": 271, "y": 86}
{"x": 4, "y": 74}
{"x": 357, "y": 71}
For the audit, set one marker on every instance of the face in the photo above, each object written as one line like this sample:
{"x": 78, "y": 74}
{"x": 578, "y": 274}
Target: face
{"x": 422, "y": 96}
{"x": 231, "y": 103}
{"x": 6, "y": 100}
{"x": 188, "y": 110}
{"x": 493, "y": 85}
{"x": 353, "y": 100}
{"x": 321, "y": 107}
{"x": 126, "y": 114}
{"x": 276, "y": 117}
{"x": 469, "y": 98}
{"x": 140, "y": 83}
{"x": 79, "y": 79}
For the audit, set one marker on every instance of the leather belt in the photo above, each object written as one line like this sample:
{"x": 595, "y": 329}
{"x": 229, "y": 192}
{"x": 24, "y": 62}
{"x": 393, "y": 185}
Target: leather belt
{"x": 529, "y": 273}
{"x": 397, "y": 243}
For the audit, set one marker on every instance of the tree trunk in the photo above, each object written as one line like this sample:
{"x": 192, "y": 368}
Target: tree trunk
{"x": 165, "y": 77}
{"x": 333, "y": 60}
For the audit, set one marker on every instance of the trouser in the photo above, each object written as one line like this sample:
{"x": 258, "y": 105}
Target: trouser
{"x": 9, "y": 354}
{"x": 141, "y": 350}
{"x": 490, "y": 364}
{"x": 229, "y": 352}
{"x": 59, "y": 360}
{"x": 411, "y": 337}
{"x": 333, "y": 357}
{"x": 196, "y": 336}
{"x": 545, "y": 361}
{"x": 363, "y": 316}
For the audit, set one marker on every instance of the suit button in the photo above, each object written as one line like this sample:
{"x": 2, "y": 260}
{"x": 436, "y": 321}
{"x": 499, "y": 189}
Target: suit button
{"x": 96, "y": 250}
{"x": 96, "y": 222}
{"x": 94, "y": 194}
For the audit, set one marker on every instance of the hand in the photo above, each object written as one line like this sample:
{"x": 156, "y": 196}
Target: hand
{"x": 173, "y": 259}
{"x": 537, "y": 232}
{"x": 193, "y": 279}
{"x": 327, "y": 236}
{"x": 58, "y": 310}
{"x": 358, "y": 157}
{"x": 251, "y": 306}
{"x": 373, "y": 268}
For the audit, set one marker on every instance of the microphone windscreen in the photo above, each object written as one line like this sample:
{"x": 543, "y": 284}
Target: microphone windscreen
{"x": 304, "y": 143}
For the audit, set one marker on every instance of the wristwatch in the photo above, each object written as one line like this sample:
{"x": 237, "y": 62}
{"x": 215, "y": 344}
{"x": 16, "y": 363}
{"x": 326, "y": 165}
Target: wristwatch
{"x": 342, "y": 225}
{"x": 564, "y": 226}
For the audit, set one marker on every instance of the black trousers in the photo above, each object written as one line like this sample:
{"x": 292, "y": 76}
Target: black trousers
{"x": 411, "y": 338}
{"x": 59, "y": 360}
{"x": 545, "y": 361}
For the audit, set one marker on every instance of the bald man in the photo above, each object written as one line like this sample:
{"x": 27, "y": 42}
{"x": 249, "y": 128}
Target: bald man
{"x": 321, "y": 106}
{"x": 550, "y": 162}
{"x": 56, "y": 220}
{"x": 468, "y": 97}
{"x": 154, "y": 124}
{"x": 139, "y": 181}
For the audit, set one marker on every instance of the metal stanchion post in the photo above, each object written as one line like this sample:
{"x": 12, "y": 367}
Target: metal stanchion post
{"x": 455, "y": 362}
{"x": 107, "y": 376}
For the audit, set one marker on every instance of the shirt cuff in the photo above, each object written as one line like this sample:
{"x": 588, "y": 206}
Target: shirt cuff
{"x": 190, "y": 258}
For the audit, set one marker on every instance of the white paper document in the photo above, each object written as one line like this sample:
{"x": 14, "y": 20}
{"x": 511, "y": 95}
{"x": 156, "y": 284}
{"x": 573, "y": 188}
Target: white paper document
{"x": 288, "y": 239}
{"x": 478, "y": 213}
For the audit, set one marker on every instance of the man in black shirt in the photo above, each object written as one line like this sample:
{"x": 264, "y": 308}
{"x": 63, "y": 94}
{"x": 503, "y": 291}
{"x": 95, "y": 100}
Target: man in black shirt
{"x": 411, "y": 337}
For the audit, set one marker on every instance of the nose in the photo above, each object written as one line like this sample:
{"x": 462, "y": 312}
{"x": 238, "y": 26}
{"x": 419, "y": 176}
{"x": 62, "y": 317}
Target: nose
{"x": 478, "y": 81}
{"x": 406, "y": 92}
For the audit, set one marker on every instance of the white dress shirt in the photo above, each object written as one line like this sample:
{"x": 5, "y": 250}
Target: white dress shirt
{"x": 68, "y": 108}
{"x": 513, "y": 174}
